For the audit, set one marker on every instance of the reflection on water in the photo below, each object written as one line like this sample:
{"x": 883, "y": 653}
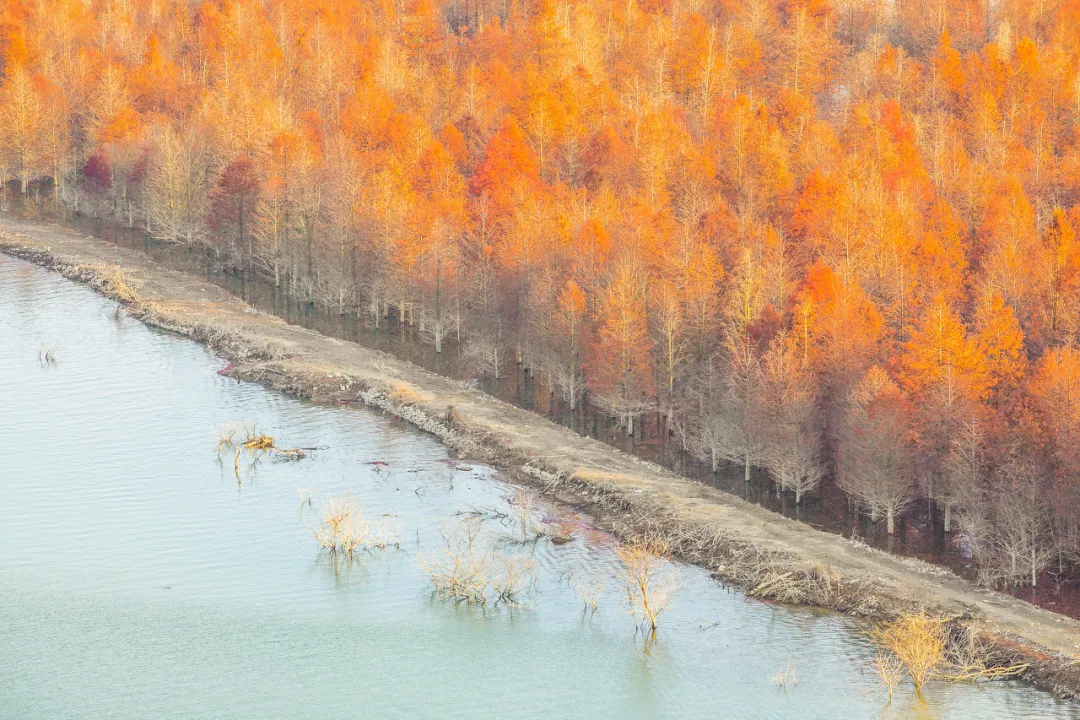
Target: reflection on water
{"x": 139, "y": 579}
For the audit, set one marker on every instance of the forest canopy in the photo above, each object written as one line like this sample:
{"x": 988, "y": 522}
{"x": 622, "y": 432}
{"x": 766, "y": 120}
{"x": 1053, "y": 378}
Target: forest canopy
{"x": 825, "y": 239}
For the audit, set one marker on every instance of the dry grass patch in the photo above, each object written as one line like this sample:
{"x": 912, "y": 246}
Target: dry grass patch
{"x": 404, "y": 394}
{"x": 600, "y": 476}
{"x": 778, "y": 576}
{"x": 969, "y": 656}
{"x": 111, "y": 279}
{"x": 120, "y": 285}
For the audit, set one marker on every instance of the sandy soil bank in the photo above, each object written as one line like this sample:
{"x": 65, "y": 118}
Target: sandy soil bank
{"x": 772, "y": 557}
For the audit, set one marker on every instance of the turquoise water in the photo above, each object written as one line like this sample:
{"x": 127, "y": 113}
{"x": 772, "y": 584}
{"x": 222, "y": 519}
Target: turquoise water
{"x": 140, "y": 579}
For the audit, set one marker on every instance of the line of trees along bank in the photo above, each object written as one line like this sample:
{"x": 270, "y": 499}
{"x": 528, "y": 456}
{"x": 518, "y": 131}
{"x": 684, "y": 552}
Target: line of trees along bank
{"x": 817, "y": 238}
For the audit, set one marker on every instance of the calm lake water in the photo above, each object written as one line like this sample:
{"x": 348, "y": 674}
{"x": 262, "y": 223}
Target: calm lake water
{"x": 140, "y": 579}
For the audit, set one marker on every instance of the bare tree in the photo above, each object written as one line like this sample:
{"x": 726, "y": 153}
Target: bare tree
{"x": 620, "y": 375}
{"x": 438, "y": 286}
{"x": 1009, "y": 529}
{"x": 793, "y": 452}
{"x": 179, "y": 183}
{"x": 561, "y": 340}
{"x": 731, "y": 428}
{"x": 271, "y": 231}
{"x": 671, "y": 349}
{"x": 22, "y": 124}
{"x": 336, "y": 257}
{"x": 485, "y": 344}
{"x": 963, "y": 471}
{"x": 874, "y": 461}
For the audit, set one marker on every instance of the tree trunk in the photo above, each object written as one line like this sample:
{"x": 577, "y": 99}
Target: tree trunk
{"x": 948, "y": 517}
{"x": 890, "y": 522}
{"x": 1033, "y": 571}
{"x": 746, "y": 469}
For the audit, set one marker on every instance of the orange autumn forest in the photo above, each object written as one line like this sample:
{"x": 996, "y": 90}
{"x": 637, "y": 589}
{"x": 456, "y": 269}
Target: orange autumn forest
{"x": 831, "y": 242}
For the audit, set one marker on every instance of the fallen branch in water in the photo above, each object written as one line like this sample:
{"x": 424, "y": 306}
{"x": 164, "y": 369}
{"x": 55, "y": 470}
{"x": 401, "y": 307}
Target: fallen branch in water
{"x": 254, "y": 444}
{"x": 985, "y": 673}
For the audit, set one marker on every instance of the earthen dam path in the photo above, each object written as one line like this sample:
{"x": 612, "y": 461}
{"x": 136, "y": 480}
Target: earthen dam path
{"x": 627, "y": 495}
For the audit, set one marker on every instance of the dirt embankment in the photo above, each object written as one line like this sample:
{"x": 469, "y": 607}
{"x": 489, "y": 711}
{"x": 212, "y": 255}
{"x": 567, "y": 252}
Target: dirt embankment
{"x": 772, "y": 557}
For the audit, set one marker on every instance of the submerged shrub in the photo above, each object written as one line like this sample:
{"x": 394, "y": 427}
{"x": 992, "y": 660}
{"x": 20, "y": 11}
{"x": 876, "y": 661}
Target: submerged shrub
{"x": 467, "y": 568}
{"x": 916, "y": 641}
{"x": 344, "y": 530}
{"x": 590, "y": 593}
{"x": 649, "y": 578}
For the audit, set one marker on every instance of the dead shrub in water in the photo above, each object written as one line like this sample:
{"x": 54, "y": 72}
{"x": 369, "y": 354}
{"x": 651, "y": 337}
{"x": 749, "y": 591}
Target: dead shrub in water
{"x": 917, "y": 641}
{"x": 889, "y": 670}
{"x": 649, "y": 578}
{"x": 590, "y": 594}
{"x": 341, "y": 530}
{"x": 383, "y": 534}
{"x": 926, "y": 648}
{"x": 344, "y": 530}
{"x": 226, "y": 438}
{"x": 786, "y": 678}
{"x": 469, "y": 569}
{"x": 459, "y": 570}
{"x": 524, "y": 503}
{"x": 513, "y": 576}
